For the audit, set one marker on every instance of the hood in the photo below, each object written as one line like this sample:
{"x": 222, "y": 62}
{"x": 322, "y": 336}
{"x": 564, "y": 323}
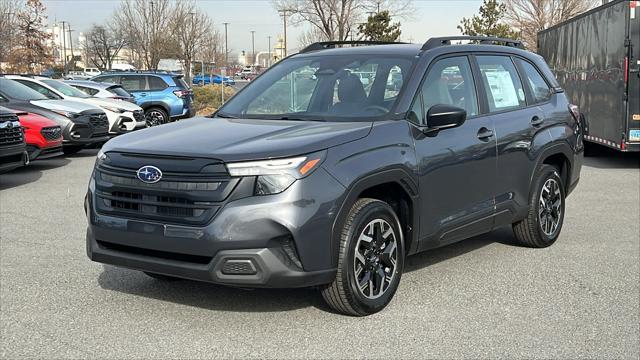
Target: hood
{"x": 238, "y": 139}
{"x": 35, "y": 120}
{"x": 102, "y": 102}
{"x": 26, "y": 106}
{"x": 65, "y": 105}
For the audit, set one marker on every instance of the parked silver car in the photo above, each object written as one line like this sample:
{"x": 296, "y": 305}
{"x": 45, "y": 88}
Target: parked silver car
{"x": 102, "y": 90}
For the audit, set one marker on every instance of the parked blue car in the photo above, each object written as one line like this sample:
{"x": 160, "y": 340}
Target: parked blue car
{"x": 164, "y": 96}
{"x": 212, "y": 79}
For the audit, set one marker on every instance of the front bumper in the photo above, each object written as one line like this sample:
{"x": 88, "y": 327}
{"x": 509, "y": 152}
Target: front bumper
{"x": 82, "y": 134}
{"x": 12, "y": 157}
{"x": 120, "y": 123}
{"x": 278, "y": 241}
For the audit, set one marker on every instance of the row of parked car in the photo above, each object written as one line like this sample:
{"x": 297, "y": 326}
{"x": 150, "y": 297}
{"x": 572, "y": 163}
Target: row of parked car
{"x": 42, "y": 117}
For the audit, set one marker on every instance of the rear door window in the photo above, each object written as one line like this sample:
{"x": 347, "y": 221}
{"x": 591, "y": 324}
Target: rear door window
{"x": 502, "y": 83}
{"x": 540, "y": 91}
{"x": 134, "y": 82}
{"x": 118, "y": 90}
{"x": 88, "y": 91}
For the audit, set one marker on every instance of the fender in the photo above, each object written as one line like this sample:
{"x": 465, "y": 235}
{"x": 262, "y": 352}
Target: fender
{"x": 554, "y": 148}
{"x": 160, "y": 104}
{"x": 396, "y": 175}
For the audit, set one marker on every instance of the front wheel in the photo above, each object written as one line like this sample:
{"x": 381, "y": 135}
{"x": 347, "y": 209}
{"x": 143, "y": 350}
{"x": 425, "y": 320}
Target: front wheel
{"x": 156, "y": 116}
{"x": 543, "y": 223}
{"x": 370, "y": 261}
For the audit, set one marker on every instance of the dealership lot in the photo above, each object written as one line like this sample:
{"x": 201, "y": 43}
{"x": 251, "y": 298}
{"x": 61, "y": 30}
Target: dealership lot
{"x": 483, "y": 297}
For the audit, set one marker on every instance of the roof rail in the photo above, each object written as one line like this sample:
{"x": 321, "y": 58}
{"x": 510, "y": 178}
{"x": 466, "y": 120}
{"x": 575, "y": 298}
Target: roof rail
{"x": 446, "y": 40}
{"x": 333, "y": 44}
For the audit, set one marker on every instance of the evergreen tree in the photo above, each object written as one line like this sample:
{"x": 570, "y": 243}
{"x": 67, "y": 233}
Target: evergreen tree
{"x": 379, "y": 28}
{"x": 488, "y": 22}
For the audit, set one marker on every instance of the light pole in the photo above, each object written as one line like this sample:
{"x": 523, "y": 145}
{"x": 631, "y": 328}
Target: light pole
{"x": 269, "y": 52}
{"x": 71, "y": 46}
{"x": 253, "y": 47}
{"x": 226, "y": 50}
{"x": 64, "y": 48}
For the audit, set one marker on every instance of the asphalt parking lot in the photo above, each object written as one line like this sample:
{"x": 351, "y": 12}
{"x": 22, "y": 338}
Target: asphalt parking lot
{"x": 481, "y": 298}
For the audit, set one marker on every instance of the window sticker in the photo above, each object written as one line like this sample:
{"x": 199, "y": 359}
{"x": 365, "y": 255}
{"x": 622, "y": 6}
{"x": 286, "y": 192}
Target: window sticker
{"x": 502, "y": 89}
{"x": 634, "y": 135}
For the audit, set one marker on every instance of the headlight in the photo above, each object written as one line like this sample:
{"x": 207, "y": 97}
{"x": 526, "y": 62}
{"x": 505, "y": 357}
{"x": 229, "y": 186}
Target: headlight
{"x": 114, "y": 109}
{"x": 275, "y": 176}
{"x": 101, "y": 155}
{"x": 69, "y": 114}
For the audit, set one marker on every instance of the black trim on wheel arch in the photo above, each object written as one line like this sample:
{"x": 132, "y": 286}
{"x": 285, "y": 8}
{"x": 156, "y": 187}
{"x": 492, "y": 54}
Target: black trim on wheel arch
{"x": 395, "y": 175}
{"x": 554, "y": 149}
{"x": 159, "y": 104}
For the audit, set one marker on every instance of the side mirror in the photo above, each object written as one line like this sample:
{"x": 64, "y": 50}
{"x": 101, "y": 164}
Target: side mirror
{"x": 441, "y": 116}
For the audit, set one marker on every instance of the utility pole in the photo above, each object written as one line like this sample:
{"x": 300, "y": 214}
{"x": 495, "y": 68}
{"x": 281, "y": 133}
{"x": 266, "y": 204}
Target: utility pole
{"x": 269, "y": 52}
{"x": 71, "y": 46}
{"x": 253, "y": 47}
{"x": 226, "y": 50}
{"x": 284, "y": 20}
{"x": 64, "y": 48}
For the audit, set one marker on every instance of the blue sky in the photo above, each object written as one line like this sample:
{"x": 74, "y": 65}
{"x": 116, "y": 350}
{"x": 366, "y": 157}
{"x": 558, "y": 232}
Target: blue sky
{"x": 431, "y": 18}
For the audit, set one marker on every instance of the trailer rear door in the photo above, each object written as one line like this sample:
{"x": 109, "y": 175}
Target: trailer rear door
{"x": 633, "y": 85}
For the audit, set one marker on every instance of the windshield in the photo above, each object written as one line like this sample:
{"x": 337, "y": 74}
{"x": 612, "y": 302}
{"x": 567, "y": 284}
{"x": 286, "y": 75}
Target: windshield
{"x": 66, "y": 89}
{"x": 344, "y": 87}
{"x": 17, "y": 91}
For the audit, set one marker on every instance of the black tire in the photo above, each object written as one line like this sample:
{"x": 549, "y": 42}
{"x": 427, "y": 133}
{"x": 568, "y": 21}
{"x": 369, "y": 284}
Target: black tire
{"x": 155, "y": 116}
{"x": 537, "y": 229}
{"x": 343, "y": 294}
{"x": 72, "y": 149}
{"x": 161, "y": 277}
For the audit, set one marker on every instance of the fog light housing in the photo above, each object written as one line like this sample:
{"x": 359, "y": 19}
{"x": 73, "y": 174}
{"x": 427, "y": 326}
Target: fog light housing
{"x": 75, "y": 135}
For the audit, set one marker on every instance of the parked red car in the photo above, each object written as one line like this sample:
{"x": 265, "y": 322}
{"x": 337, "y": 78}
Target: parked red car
{"x": 43, "y": 136}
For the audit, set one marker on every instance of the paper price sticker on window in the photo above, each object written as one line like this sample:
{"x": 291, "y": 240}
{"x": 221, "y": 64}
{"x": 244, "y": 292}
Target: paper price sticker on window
{"x": 634, "y": 135}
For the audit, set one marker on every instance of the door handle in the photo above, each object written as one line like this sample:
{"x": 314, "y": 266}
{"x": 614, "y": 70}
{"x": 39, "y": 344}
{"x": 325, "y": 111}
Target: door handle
{"x": 484, "y": 133}
{"x": 143, "y": 94}
{"x": 536, "y": 121}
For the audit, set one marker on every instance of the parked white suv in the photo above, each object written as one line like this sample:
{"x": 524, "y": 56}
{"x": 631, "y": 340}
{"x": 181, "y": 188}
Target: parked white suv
{"x": 123, "y": 116}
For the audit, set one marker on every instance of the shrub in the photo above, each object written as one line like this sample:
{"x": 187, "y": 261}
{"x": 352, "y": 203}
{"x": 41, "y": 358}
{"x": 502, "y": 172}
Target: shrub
{"x": 208, "y": 98}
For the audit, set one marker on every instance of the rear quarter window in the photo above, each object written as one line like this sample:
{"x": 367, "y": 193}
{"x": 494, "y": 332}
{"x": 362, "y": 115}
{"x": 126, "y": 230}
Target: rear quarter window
{"x": 156, "y": 83}
{"x": 180, "y": 83}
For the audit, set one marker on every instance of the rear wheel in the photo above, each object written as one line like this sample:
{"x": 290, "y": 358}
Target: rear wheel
{"x": 543, "y": 223}
{"x": 370, "y": 262}
{"x": 156, "y": 116}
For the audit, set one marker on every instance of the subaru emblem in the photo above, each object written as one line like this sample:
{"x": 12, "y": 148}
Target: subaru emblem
{"x": 149, "y": 174}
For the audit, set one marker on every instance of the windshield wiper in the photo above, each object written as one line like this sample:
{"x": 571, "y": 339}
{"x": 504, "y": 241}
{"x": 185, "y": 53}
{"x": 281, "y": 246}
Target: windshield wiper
{"x": 225, "y": 116}
{"x": 298, "y": 118}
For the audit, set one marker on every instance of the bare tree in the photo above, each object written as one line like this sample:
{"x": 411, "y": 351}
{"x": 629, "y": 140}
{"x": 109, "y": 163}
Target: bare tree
{"x": 102, "y": 45}
{"x": 190, "y": 27}
{"x": 212, "y": 48}
{"x": 311, "y": 36}
{"x": 8, "y": 24}
{"x": 336, "y": 19}
{"x": 146, "y": 24}
{"x": 531, "y": 16}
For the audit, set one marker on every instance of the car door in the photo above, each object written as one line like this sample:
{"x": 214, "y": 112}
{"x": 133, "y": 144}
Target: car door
{"x": 136, "y": 85}
{"x": 456, "y": 166}
{"x": 517, "y": 120}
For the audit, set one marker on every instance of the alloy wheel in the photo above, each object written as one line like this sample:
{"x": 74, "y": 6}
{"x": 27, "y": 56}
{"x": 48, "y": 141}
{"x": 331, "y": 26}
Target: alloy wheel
{"x": 154, "y": 118}
{"x": 376, "y": 255}
{"x": 550, "y": 207}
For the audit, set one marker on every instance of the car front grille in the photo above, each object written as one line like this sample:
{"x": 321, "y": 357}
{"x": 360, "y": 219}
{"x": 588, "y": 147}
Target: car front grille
{"x": 138, "y": 115}
{"x": 179, "y": 198}
{"x": 100, "y": 123}
{"x": 52, "y": 133}
{"x": 11, "y": 133}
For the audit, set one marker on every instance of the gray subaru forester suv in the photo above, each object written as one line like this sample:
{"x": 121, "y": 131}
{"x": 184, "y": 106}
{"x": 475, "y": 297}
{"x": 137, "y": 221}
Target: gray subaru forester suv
{"x": 338, "y": 162}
